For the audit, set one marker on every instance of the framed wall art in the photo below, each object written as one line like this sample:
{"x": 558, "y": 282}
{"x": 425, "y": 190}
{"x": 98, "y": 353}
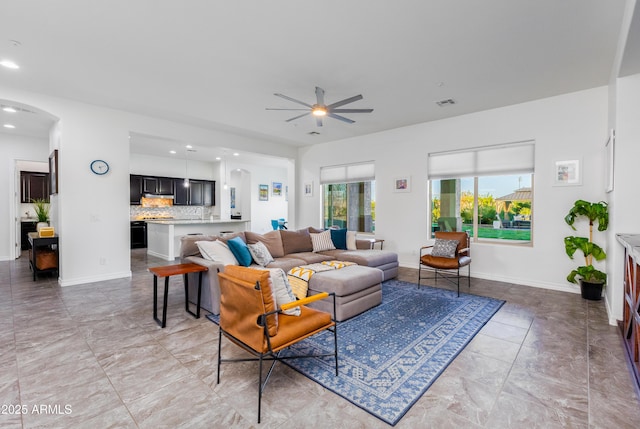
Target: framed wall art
{"x": 308, "y": 189}
{"x": 263, "y": 192}
{"x": 402, "y": 184}
{"x": 276, "y": 189}
{"x": 567, "y": 173}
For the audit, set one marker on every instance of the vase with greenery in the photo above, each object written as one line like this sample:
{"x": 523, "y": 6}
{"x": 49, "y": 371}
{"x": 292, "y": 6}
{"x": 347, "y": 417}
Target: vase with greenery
{"x": 587, "y": 273}
{"x": 41, "y": 207}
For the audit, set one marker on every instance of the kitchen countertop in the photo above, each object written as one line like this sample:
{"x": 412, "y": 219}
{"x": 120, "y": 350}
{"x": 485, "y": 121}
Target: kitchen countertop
{"x": 28, "y": 219}
{"x": 193, "y": 221}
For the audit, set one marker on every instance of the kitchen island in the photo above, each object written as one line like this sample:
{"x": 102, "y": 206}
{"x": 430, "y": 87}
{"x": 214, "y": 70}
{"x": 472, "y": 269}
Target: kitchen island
{"x": 163, "y": 236}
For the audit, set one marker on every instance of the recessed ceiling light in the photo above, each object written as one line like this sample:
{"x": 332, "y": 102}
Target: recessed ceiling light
{"x": 218, "y": 158}
{"x": 172, "y": 152}
{"x": 9, "y": 64}
{"x": 236, "y": 154}
{"x": 189, "y": 146}
{"x": 9, "y": 109}
{"x": 9, "y": 126}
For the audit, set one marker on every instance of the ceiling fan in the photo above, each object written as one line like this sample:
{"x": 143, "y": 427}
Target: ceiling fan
{"x": 320, "y": 109}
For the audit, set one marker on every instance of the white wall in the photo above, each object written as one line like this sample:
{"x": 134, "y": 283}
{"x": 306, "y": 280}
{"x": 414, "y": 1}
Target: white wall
{"x": 12, "y": 149}
{"x": 624, "y": 204}
{"x": 91, "y": 213}
{"x": 572, "y": 126}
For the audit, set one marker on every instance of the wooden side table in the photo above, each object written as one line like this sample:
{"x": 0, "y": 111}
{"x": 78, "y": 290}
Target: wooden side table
{"x": 173, "y": 270}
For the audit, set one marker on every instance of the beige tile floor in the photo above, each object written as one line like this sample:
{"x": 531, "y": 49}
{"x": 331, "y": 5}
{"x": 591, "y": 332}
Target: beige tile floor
{"x": 91, "y": 356}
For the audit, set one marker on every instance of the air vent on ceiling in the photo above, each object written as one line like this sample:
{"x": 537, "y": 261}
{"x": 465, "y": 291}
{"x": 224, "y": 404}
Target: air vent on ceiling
{"x": 448, "y": 101}
{"x": 314, "y": 133}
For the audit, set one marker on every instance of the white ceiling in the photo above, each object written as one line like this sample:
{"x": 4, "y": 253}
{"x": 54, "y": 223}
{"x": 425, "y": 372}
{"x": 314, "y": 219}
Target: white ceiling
{"x": 217, "y": 64}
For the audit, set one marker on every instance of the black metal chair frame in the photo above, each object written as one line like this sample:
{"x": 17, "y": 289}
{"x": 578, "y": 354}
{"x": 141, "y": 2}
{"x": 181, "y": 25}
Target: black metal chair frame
{"x": 447, "y": 274}
{"x": 271, "y": 355}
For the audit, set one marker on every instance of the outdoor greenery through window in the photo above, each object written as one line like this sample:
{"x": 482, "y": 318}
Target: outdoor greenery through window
{"x": 350, "y": 205}
{"x": 488, "y": 207}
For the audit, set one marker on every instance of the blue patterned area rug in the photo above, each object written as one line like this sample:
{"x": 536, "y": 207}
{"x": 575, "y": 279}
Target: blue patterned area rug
{"x": 391, "y": 354}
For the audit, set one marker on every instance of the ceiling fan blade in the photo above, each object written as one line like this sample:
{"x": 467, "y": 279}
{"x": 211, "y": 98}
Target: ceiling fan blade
{"x": 296, "y": 117}
{"x": 345, "y": 101}
{"x": 341, "y": 118}
{"x": 276, "y": 108}
{"x": 319, "y": 122}
{"x": 292, "y": 99}
{"x": 320, "y": 96}
{"x": 352, "y": 110}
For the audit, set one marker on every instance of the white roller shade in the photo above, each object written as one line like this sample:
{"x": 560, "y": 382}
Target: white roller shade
{"x": 513, "y": 158}
{"x": 348, "y": 173}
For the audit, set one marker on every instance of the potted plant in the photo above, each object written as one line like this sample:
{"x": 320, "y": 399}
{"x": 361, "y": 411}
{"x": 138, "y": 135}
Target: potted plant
{"x": 41, "y": 207}
{"x": 591, "y": 279}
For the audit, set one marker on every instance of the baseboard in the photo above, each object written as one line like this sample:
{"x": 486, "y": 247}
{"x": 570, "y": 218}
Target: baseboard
{"x": 93, "y": 279}
{"x": 519, "y": 281}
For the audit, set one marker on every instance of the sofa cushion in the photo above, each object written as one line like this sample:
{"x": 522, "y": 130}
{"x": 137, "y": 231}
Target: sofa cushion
{"x": 369, "y": 258}
{"x": 296, "y": 241}
{"x": 312, "y": 257}
{"x": 339, "y": 238}
{"x": 216, "y": 251}
{"x": 322, "y": 241}
{"x": 271, "y": 239}
{"x": 260, "y": 253}
{"x": 188, "y": 246}
{"x": 351, "y": 240}
{"x": 240, "y": 250}
{"x": 228, "y": 237}
{"x": 287, "y": 263}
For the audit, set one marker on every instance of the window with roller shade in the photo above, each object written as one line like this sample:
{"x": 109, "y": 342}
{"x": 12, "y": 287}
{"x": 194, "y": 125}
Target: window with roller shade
{"x": 487, "y": 191}
{"x": 348, "y": 193}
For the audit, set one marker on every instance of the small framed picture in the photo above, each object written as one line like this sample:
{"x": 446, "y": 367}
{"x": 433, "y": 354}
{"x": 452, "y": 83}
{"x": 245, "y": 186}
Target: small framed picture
{"x": 567, "y": 173}
{"x": 402, "y": 184}
{"x": 276, "y": 189}
{"x": 308, "y": 189}
{"x": 263, "y": 192}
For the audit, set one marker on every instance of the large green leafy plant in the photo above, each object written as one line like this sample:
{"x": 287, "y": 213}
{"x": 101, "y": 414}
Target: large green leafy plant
{"x": 41, "y": 207}
{"x": 596, "y": 213}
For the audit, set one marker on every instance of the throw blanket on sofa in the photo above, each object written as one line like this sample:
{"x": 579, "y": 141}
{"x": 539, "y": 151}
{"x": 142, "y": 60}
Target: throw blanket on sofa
{"x": 299, "y": 276}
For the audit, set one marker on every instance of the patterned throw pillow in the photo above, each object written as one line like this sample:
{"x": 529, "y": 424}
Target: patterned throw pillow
{"x": 322, "y": 241}
{"x": 445, "y": 248}
{"x": 260, "y": 253}
{"x": 282, "y": 290}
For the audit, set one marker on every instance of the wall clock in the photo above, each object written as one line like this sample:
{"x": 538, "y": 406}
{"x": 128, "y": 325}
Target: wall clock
{"x": 99, "y": 167}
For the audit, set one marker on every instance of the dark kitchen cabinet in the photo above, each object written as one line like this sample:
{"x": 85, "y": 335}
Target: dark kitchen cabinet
{"x": 165, "y": 186}
{"x": 26, "y": 228}
{"x": 34, "y": 186}
{"x": 149, "y": 185}
{"x": 209, "y": 193}
{"x": 135, "y": 189}
{"x": 180, "y": 193}
{"x": 198, "y": 193}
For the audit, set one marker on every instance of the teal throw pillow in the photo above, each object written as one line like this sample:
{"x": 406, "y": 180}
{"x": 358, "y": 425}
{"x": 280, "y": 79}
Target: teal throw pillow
{"x": 240, "y": 250}
{"x": 339, "y": 238}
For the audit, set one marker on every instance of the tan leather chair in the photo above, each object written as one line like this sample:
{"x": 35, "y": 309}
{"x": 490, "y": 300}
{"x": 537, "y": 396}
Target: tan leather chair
{"x": 445, "y": 267}
{"x": 250, "y": 319}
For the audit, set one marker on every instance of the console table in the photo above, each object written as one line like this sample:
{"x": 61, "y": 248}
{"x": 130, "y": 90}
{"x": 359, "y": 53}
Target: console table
{"x": 630, "y": 325}
{"x": 43, "y": 254}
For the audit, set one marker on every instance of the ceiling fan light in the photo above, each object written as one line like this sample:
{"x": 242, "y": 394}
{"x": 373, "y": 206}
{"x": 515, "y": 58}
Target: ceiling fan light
{"x": 319, "y": 111}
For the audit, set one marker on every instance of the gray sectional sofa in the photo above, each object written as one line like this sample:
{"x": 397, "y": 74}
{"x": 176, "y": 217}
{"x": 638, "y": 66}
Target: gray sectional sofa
{"x": 289, "y": 249}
